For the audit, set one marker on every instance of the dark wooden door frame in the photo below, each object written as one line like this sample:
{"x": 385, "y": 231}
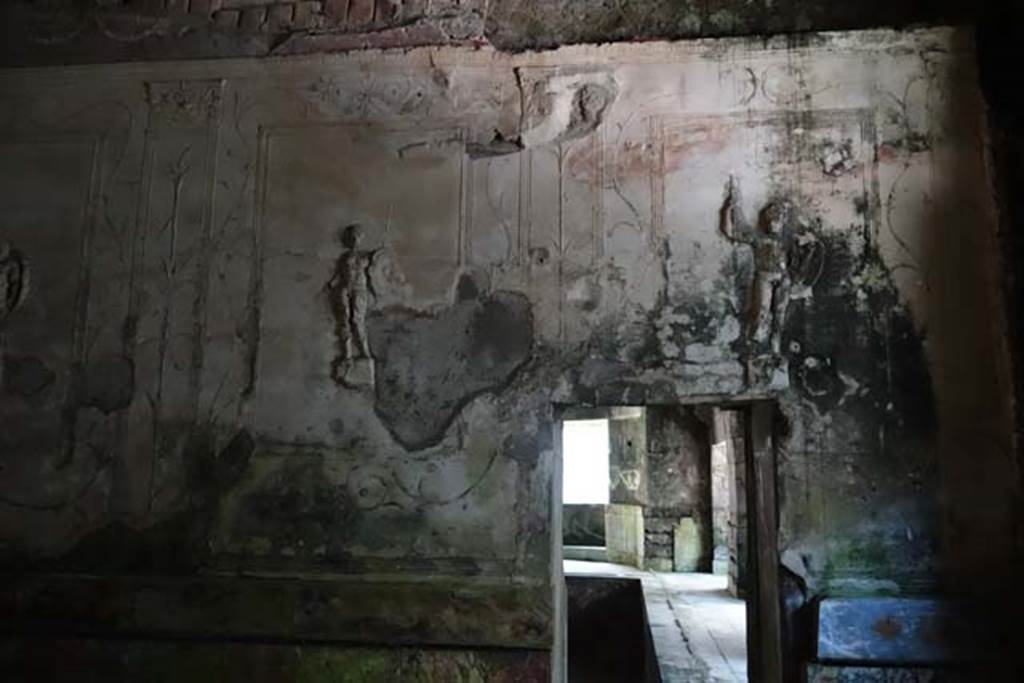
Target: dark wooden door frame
{"x": 764, "y": 624}
{"x": 763, "y": 600}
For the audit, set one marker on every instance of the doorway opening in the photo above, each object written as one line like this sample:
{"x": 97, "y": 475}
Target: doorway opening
{"x": 660, "y": 494}
{"x": 585, "y": 494}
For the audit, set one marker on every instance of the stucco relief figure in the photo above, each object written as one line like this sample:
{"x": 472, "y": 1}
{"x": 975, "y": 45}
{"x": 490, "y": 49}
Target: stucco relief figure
{"x": 779, "y": 264}
{"x": 13, "y": 285}
{"x": 13, "y": 280}
{"x": 349, "y": 292}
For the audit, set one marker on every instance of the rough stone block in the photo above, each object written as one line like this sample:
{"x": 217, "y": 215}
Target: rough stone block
{"x": 686, "y": 546}
{"x": 588, "y": 553}
{"x": 253, "y": 18}
{"x": 280, "y": 15}
{"x": 659, "y": 525}
{"x": 149, "y": 8}
{"x": 202, "y": 7}
{"x": 387, "y": 10}
{"x": 720, "y": 563}
{"x": 624, "y": 533}
{"x": 583, "y": 524}
{"x": 360, "y": 12}
{"x": 242, "y": 4}
{"x": 227, "y": 18}
{"x": 658, "y": 535}
{"x": 411, "y": 9}
{"x": 823, "y": 673}
{"x": 307, "y": 14}
{"x": 658, "y": 564}
{"x": 336, "y": 11}
{"x": 357, "y": 373}
{"x": 887, "y": 630}
{"x": 177, "y": 6}
{"x": 438, "y": 6}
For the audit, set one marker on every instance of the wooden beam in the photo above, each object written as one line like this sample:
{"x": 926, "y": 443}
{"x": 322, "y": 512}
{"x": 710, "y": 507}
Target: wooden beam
{"x": 764, "y": 625}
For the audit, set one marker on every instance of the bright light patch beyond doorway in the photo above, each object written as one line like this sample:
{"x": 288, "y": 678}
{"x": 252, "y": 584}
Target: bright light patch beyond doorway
{"x": 585, "y": 462}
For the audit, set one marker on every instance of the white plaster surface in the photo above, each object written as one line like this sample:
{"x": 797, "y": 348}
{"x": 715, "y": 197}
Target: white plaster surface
{"x": 183, "y": 217}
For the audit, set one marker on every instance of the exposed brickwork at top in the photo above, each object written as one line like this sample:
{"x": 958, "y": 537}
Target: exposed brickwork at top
{"x": 69, "y": 31}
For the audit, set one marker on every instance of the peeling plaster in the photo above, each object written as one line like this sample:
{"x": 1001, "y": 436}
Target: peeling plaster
{"x": 210, "y": 438}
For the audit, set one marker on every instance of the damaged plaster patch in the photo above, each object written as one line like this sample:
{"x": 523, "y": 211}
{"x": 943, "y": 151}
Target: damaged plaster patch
{"x": 497, "y": 146}
{"x": 563, "y": 108}
{"x": 837, "y": 159}
{"x": 170, "y": 545}
{"x": 430, "y": 366}
{"x": 295, "y": 506}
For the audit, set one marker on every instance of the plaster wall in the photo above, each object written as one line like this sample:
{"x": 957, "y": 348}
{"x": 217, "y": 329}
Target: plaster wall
{"x": 628, "y": 473}
{"x": 188, "y": 449}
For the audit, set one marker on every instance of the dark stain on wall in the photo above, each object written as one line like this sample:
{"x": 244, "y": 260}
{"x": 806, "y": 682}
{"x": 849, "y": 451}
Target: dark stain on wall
{"x": 98, "y": 660}
{"x": 295, "y": 505}
{"x": 854, "y": 352}
{"x": 532, "y": 24}
{"x": 467, "y": 288}
{"x": 844, "y": 331}
{"x": 223, "y": 470}
{"x": 526, "y": 447}
{"x": 999, "y": 38}
{"x": 108, "y": 384}
{"x": 178, "y": 544}
{"x": 430, "y": 366}
{"x": 27, "y": 377}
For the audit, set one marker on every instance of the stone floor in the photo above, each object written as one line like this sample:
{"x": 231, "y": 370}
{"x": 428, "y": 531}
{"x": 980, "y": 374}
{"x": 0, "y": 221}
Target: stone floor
{"x": 699, "y": 630}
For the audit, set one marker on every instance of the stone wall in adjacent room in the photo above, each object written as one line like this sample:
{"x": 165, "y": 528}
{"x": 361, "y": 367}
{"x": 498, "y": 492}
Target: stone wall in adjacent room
{"x": 628, "y": 476}
{"x": 583, "y": 525}
{"x": 729, "y": 497}
{"x": 224, "y": 418}
{"x": 677, "y": 514}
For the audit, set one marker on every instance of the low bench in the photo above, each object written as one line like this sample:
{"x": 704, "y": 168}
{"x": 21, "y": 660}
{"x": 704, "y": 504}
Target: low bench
{"x": 888, "y": 640}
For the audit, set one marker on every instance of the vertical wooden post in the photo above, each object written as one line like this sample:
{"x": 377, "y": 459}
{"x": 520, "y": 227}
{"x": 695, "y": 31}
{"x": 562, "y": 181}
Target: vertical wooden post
{"x": 559, "y": 650}
{"x": 764, "y": 626}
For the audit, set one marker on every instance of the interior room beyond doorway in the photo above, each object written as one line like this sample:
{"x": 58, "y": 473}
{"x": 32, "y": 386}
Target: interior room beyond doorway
{"x": 657, "y": 493}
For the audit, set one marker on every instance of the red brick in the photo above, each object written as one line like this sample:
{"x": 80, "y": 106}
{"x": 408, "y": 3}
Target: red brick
{"x": 403, "y": 36}
{"x": 280, "y": 15}
{"x": 199, "y": 7}
{"x": 150, "y": 8}
{"x": 177, "y": 6}
{"x": 386, "y": 10}
{"x": 411, "y": 9}
{"x": 253, "y": 18}
{"x": 360, "y": 12}
{"x": 336, "y": 11}
{"x": 307, "y": 14}
{"x": 227, "y": 18}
